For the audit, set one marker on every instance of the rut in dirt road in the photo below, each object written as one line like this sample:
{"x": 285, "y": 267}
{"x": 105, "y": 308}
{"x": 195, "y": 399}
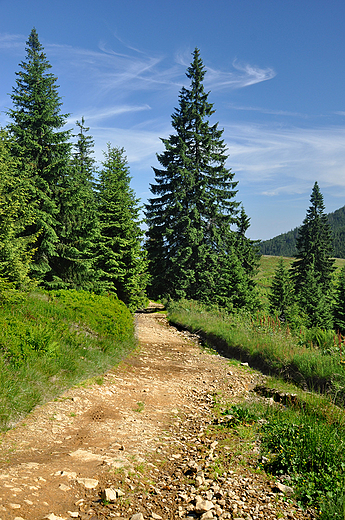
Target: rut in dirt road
{"x": 147, "y": 434}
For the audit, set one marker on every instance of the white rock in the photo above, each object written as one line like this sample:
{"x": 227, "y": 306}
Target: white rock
{"x": 285, "y": 489}
{"x": 15, "y": 506}
{"x": 199, "y": 481}
{"x": 156, "y": 517}
{"x": 202, "y": 506}
{"x": 68, "y": 474}
{"x": 51, "y": 516}
{"x": 109, "y": 495}
{"x": 63, "y": 487}
{"x": 137, "y": 516}
{"x": 73, "y": 514}
{"x": 30, "y": 465}
{"x": 88, "y": 483}
{"x": 85, "y": 456}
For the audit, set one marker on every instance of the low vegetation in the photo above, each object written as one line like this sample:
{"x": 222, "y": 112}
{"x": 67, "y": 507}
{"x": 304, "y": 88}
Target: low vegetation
{"x": 303, "y": 450}
{"x": 302, "y": 439}
{"x": 51, "y": 341}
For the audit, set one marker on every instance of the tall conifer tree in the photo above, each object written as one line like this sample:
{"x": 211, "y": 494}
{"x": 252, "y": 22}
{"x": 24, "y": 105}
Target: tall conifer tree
{"x": 339, "y": 303}
{"x": 121, "y": 261}
{"x": 41, "y": 145}
{"x": 78, "y": 225}
{"x": 313, "y": 268}
{"x": 189, "y": 240}
{"x": 247, "y": 249}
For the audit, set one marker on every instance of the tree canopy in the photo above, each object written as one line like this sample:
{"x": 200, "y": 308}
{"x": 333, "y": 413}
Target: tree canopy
{"x": 56, "y": 226}
{"x": 121, "y": 260}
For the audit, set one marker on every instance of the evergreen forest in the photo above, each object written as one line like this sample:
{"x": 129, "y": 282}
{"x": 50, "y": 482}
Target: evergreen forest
{"x": 66, "y": 223}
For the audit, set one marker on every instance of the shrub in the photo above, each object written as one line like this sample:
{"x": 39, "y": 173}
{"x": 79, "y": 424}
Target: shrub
{"x": 51, "y": 341}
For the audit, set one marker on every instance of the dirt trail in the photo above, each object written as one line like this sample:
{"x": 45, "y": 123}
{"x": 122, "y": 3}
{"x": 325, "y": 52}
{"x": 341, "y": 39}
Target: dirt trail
{"x": 56, "y": 462}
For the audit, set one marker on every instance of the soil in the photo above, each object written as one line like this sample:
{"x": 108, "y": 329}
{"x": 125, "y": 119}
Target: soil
{"x": 145, "y": 429}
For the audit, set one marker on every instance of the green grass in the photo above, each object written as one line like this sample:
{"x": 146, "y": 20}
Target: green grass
{"x": 50, "y": 342}
{"x": 298, "y": 447}
{"x": 265, "y": 345}
{"x": 140, "y": 407}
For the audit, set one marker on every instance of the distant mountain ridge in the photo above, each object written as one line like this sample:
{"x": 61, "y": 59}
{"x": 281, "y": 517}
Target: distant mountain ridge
{"x": 285, "y": 244}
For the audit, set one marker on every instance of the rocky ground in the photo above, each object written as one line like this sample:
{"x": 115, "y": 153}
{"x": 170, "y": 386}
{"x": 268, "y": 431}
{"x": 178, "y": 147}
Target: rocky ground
{"x": 142, "y": 442}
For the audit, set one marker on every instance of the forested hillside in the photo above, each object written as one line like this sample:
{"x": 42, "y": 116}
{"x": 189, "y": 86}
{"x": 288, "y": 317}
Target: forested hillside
{"x": 285, "y": 244}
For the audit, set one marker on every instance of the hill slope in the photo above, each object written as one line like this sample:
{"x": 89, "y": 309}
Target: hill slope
{"x": 285, "y": 244}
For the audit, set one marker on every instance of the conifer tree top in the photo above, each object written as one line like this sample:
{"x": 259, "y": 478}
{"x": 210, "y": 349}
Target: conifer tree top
{"x": 33, "y": 42}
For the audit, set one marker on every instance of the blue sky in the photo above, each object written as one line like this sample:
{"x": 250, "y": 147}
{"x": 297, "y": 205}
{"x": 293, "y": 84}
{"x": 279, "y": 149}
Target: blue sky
{"x": 275, "y": 69}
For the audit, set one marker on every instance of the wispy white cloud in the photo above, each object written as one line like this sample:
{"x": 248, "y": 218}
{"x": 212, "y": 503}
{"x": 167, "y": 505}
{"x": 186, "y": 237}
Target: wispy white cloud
{"x": 267, "y": 111}
{"x": 141, "y": 145}
{"x": 108, "y": 72}
{"x": 266, "y": 156}
{"x": 95, "y": 116}
{"x": 125, "y": 72}
{"x": 12, "y": 42}
{"x": 243, "y": 75}
{"x": 290, "y": 189}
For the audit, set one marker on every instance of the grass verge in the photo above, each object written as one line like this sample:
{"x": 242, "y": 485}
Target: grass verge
{"x": 267, "y": 347}
{"x": 51, "y": 341}
{"x": 302, "y": 439}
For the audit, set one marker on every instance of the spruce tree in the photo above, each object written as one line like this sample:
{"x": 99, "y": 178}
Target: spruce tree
{"x": 281, "y": 296}
{"x": 313, "y": 268}
{"x": 189, "y": 241}
{"x": 16, "y": 248}
{"x": 77, "y": 226}
{"x": 121, "y": 261}
{"x": 315, "y": 302}
{"x": 41, "y": 145}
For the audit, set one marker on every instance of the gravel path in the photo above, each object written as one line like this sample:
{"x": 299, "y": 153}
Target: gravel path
{"x": 143, "y": 444}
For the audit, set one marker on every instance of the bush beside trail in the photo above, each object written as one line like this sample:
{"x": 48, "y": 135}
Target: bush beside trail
{"x": 51, "y": 341}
